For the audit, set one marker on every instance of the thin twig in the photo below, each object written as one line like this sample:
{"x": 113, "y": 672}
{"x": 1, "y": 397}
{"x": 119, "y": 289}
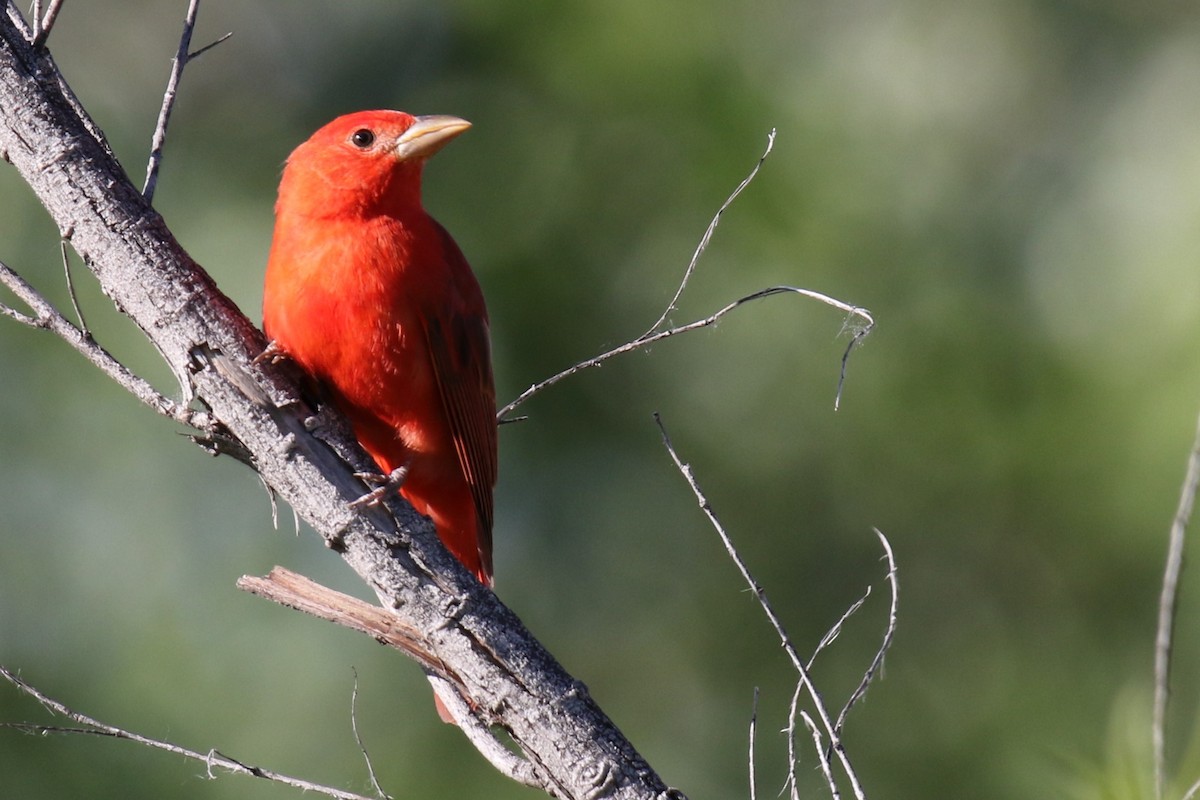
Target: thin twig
{"x": 43, "y": 23}
{"x": 212, "y": 759}
{"x": 793, "y": 757}
{"x": 859, "y": 321}
{"x": 888, "y": 635}
{"x": 48, "y": 317}
{"x": 362, "y": 748}
{"x": 753, "y": 727}
{"x": 66, "y": 262}
{"x": 708, "y": 234}
{"x": 192, "y": 56}
{"x": 834, "y": 632}
{"x": 826, "y": 767}
{"x": 860, "y": 330}
{"x": 789, "y": 647}
{"x": 182, "y": 56}
{"x": 1166, "y": 613}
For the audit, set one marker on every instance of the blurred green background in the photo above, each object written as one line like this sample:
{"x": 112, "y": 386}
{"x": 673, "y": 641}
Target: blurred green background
{"x": 1012, "y": 187}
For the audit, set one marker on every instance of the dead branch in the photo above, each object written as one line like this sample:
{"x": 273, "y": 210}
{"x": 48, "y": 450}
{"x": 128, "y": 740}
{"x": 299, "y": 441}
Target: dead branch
{"x": 213, "y": 759}
{"x": 571, "y": 747}
{"x": 859, "y": 332}
{"x": 295, "y": 591}
{"x": 858, "y": 320}
{"x": 178, "y": 63}
{"x": 1166, "y": 616}
{"x": 48, "y": 317}
{"x": 828, "y": 729}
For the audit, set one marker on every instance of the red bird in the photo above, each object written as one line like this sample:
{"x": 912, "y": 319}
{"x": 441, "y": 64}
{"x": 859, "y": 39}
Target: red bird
{"x": 371, "y": 296}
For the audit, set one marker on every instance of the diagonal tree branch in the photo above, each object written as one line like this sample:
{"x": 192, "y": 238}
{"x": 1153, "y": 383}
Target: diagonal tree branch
{"x": 514, "y": 683}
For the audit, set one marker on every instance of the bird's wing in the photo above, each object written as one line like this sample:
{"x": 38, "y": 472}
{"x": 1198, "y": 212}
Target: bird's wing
{"x": 460, "y": 351}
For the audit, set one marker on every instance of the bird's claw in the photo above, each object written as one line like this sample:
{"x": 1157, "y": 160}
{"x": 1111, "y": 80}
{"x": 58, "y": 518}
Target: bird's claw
{"x": 273, "y": 354}
{"x": 387, "y": 484}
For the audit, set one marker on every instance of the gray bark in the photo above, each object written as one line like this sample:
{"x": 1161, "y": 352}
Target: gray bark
{"x": 572, "y": 748}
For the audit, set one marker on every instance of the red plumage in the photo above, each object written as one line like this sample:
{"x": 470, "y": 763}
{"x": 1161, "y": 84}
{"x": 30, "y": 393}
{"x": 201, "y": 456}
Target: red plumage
{"x": 371, "y": 296}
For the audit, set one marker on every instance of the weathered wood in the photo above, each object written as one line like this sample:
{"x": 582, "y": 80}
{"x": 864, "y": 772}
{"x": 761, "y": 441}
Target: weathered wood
{"x": 572, "y": 748}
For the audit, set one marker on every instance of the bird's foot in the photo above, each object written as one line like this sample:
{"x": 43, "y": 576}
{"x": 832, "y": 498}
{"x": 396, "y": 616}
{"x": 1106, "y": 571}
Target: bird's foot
{"x": 387, "y": 485}
{"x": 272, "y": 355}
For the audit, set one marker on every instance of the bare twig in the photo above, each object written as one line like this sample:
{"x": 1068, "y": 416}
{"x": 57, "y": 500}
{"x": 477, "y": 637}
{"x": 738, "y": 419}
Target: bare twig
{"x": 708, "y": 234}
{"x": 1166, "y": 614}
{"x": 178, "y": 63}
{"x": 48, "y": 317}
{"x": 66, "y": 262}
{"x": 826, "y": 767}
{"x": 888, "y": 635}
{"x": 860, "y": 330}
{"x": 859, "y": 321}
{"x": 830, "y": 730}
{"x": 213, "y": 758}
{"x": 481, "y": 737}
{"x": 793, "y": 757}
{"x": 362, "y": 748}
{"x": 834, "y": 632}
{"x": 42, "y": 23}
{"x": 753, "y": 728}
{"x": 510, "y": 676}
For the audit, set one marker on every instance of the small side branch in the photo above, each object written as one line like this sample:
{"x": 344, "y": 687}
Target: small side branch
{"x": 182, "y": 57}
{"x": 298, "y": 592}
{"x": 290, "y": 589}
{"x": 1166, "y": 614}
{"x": 42, "y": 23}
{"x": 888, "y": 634}
{"x": 47, "y": 317}
{"x": 212, "y": 760}
{"x": 827, "y": 724}
{"x": 362, "y": 748}
{"x": 708, "y": 234}
{"x": 859, "y": 321}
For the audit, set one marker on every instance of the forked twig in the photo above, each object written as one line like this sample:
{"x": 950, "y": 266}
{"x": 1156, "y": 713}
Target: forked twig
{"x": 1166, "y": 615}
{"x": 178, "y": 63}
{"x": 888, "y": 635}
{"x": 213, "y": 758}
{"x": 859, "y": 321}
{"x": 46, "y": 316}
{"x": 859, "y": 332}
{"x": 708, "y": 234}
{"x": 827, "y": 724}
{"x": 43, "y": 23}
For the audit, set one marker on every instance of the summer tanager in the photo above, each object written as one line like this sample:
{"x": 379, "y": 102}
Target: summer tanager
{"x": 371, "y": 296}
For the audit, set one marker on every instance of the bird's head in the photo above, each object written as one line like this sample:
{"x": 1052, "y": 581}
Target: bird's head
{"x": 365, "y": 163}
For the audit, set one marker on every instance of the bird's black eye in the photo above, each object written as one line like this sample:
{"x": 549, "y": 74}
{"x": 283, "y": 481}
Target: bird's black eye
{"x": 362, "y": 138}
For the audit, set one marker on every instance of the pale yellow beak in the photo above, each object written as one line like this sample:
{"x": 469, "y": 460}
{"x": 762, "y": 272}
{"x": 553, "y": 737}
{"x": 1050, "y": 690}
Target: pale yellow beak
{"x": 428, "y": 135}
